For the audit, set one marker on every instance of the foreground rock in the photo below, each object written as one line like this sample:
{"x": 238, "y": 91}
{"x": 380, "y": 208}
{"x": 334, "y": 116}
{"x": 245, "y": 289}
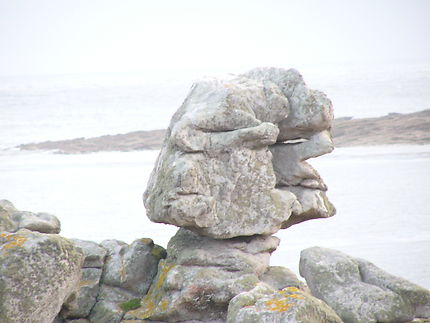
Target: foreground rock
{"x": 264, "y": 304}
{"x": 201, "y": 275}
{"x": 359, "y": 291}
{"x": 114, "y": 274}
{"x": 38, "y": 273}
{"x": 11, "y": 219}
{"x": 42, "y": 273}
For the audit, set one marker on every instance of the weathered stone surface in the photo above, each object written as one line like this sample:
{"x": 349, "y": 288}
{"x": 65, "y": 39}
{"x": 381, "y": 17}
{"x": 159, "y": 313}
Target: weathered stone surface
{"x": 310, "y": 110}
{"x": 359, "y": 291}
{"x": 289, "y": 305}
{"x": 106, "y": 312}
{"x": 181, "y": 293}
{"x": 279, "y": 277}
{"x": 94, "y": 253}
{"x": 214, "y": 174}
{"x": 187, "y": 321}
{"x": 201, "y": 275}
{"x": 107, "y": 308}
{"x": 87, "y": 295}
{"x": 40, "y": 222}
{"x": 114, "y": 294}
{"x": 6, "y": 222}
{"x": 131, "y": 267}
{"x": 8, "y": 206}
{"x": 245, "y": 254}
{"x": 77, "y": 321}
{"x": 417, "y": 296}
{"x": 38, "y": 273}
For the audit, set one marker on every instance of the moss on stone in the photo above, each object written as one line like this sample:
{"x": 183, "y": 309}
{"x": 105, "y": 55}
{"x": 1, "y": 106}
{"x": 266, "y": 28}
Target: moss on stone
{"x": 147, "y": 241}
{"x": 159, "y": 252}
{"x": 131, "y": 304}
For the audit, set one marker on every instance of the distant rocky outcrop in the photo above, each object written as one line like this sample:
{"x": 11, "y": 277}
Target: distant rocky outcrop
{"x": 394, "y": 128}
{"x": 136, "y": 140}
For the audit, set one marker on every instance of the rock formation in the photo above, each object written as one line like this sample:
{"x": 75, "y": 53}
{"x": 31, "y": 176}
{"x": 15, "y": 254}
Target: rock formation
{"x": 115, "y": 276}
{"x": 38, "y": 273}
{"x": 44, "y": 276}
{"x": 359, "y": 291}
{"x": 264, "y": 304}
{"x": 12, "y": 219}
{"x": 232, "y": 171}
{"x": 215, "y": 174}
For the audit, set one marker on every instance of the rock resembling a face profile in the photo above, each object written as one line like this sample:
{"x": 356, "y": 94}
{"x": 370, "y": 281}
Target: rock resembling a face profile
{"x": 233, "y": 162}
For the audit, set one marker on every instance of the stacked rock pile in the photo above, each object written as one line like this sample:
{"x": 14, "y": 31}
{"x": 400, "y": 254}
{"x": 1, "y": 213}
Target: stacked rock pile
{"x": 232, "y": 171}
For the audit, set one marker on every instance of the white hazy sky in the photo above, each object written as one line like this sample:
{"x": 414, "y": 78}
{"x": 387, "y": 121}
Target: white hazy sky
{"x": 65, "y": 36}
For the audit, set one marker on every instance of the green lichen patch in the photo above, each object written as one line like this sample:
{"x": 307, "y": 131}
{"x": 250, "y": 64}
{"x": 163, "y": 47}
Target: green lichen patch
{"x": 130, "y": 305}
{"x": 159, "y": 252}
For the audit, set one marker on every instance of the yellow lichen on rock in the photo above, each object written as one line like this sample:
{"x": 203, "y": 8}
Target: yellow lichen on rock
{"x": 154, "y": 301}
{"x": 14, "y": 240}
{"x": 292, "y": 289}
{"x": 164, "y": 270}
{"x": 277, "y": 305}
{"x": 281, "y": 301}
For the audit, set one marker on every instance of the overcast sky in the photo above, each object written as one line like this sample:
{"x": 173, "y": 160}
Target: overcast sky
{"x": 63, "y": 36}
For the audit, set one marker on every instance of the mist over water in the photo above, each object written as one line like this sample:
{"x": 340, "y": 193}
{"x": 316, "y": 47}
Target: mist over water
{"x": 381, "y": 196}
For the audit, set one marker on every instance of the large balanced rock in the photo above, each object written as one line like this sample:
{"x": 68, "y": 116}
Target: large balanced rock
{"x": 264, "y": 304}
{"x": 359, "y": 291}
{"x": 215, "y": 174}
{"x": 11, "y": 219}
{"x": 38, "y": 273}
{"x": 232, "y": 171}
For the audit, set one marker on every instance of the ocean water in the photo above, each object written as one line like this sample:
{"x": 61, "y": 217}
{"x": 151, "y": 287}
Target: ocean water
{"x": 39, "y": 108}
{"x": 381, "y": 193}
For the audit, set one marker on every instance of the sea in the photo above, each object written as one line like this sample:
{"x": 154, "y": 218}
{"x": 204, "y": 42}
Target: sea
{"x": 381, "y": 193}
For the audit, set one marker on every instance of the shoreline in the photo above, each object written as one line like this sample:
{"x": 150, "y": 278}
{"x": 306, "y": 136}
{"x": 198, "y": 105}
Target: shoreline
{"x": 394, "y": 128}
